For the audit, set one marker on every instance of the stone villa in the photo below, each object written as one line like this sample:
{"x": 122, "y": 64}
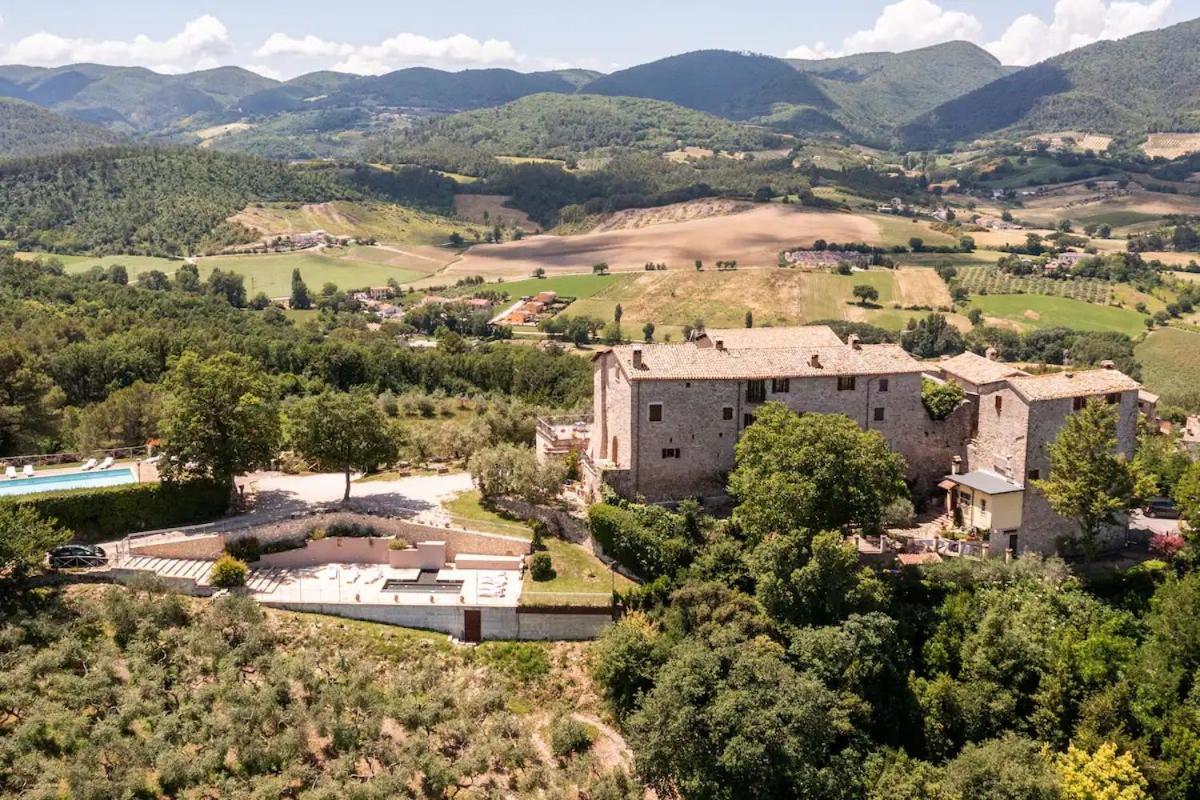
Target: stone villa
{"x": 667, "y": 417}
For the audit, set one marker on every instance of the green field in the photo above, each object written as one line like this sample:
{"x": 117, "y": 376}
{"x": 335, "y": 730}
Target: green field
{"x": 580, "y": 579}
{"x": 1116, "y": 218}
{"x": 273, "y": 273}
{"x": 134, "y": 264}
{"x": 1034, "y": 312}
{"x": 1170, "y": 360}
{"x": 577, "y": 286}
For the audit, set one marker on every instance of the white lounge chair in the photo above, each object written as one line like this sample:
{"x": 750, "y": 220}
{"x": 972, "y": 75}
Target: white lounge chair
{"x": 88, "y": 465}
{"x": 28, "y": 471}
{"x": 153, "y": 460}
{"x": 10, "y": 472}
{"x": 106, "y": 463}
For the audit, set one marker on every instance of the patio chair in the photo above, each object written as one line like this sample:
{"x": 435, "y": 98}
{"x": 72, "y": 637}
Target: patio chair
{"x": 88, "y": 465}
{"x": 106, "y": 463}
{"x": 10, "y": 472}
{"x": 28, "y": 471}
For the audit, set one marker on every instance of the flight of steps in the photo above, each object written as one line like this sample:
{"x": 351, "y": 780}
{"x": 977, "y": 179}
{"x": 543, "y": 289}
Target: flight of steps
{"x": 196, "y": 571}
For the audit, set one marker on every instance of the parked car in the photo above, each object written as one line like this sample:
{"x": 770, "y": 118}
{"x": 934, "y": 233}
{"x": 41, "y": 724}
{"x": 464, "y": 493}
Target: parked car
{"x": 1161, "y": 507}
{"x": 75, "y": 556}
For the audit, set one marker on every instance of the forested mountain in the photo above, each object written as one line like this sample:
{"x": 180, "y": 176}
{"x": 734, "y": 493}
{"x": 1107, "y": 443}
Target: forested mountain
{"x": 28, "y": 130}
{"x": 173, "y": 202}
{"x": 563, "y": 126}
{"x": 1148, "y": 82}
{"x": 298, "y": 93}
{"x": 437, "y": 90}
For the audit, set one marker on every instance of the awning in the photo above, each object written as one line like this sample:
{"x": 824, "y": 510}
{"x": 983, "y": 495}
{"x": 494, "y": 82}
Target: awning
{"x": 986, "y": 482}
{"x": 947, "y": 484}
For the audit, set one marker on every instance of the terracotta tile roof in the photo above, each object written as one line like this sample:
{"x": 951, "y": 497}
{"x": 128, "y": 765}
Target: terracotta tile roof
{"x": 771, "y": 338}
{"x": 687, "y": 361}
{"x": 1060, "y": 385}
{"x": 977, "y": 369}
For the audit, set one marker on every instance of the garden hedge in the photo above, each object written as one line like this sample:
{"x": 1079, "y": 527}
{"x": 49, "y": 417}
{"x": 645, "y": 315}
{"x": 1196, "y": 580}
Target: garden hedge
{"x": 624, "y": 536}
{"x": 95, "y": 515}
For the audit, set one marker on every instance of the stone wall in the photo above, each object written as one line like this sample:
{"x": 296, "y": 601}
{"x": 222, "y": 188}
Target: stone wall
{"x": 558, "y": 522}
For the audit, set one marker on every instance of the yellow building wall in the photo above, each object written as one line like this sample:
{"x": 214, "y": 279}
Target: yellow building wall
{"x": 1003, "y": 511}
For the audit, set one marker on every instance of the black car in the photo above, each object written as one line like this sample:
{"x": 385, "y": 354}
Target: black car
{"x": 1161, "y": 507}
{"x": 74, "y": 556}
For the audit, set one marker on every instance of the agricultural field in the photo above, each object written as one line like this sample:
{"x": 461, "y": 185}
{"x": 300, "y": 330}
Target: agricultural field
{"x": 752, "y": 238}
{"x": 989, "y": 280}
{"x": 578, "y": 286}
{"x": 348, "y": 268}
{"x": 384, "y": 222}
{"x": 134, "y": 264}
{"x": 1033, "y": 312}
{"x": 775, "y": 297}
{"x": 489, "y": 209}
{"x": 1123, "y": 212}
{"x": 1170, "y": 359}
{"x": 1171, "y": 145}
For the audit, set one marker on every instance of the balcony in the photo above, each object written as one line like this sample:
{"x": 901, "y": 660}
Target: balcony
{"x": 561, "y": 434}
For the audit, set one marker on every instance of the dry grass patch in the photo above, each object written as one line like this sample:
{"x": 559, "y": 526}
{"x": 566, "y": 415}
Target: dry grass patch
{"x": 489, "y": 209}
{"x": 1171, "y": 145}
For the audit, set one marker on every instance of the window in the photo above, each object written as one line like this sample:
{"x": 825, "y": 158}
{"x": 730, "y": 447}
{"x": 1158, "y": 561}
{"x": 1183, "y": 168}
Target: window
{"x": 982, "y": 504}
{"x": 883, "y": 384}
{"x": 670, "y": 452}
{"x": 756, "y": 391}
{"x": 656, "y": 412}
{"x": 1034, "y": 474}
{"x": 1113, "y": 399}
{"x": 747, "y": 420}
{"x": 846, "y": 383}
{"x": 999, "y": 404}
{"x": 780, "y": 385}
{"x": 727, "y": 412}
{"x": 879, "y": 415}
{"x": 1079, "y": 403}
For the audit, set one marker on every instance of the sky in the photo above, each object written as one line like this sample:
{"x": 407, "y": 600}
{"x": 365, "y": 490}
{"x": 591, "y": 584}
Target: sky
{"x": 284, "y": 39}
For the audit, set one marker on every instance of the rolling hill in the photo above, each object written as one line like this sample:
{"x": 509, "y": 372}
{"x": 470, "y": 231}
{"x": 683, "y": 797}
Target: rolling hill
{"x": 436, "y": 90}
{"x": 29, "y": 130}
{"x": 1148, "y": 82}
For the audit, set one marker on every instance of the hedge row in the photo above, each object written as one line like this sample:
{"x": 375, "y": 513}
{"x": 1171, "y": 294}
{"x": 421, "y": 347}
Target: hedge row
{"x": 649, "y": 552}
{"x": 95, "y": 515}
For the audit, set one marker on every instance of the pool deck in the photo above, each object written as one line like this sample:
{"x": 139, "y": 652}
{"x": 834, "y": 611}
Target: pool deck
{"x": 47, "y": 480}
{"x": 364, "y": 584}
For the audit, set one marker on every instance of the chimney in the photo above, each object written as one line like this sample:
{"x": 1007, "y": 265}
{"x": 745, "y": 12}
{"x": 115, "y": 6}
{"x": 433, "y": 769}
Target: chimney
{"x": 815, "y": 361}
{"x": 637, "y": 357}
{"x": 956, "y": 466}
{"x": 990, "y": 354}
{"x": 1106, "y": 364}
{"x": 854, "y": 341}
{"x": 720, "y": 344}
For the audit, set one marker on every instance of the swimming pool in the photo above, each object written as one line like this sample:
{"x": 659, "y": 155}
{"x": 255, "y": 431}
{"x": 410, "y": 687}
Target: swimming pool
{"x": 60, "y": 481}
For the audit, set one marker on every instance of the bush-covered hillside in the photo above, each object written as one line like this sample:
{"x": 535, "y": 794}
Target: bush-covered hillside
{"x": 173, "y": 201}
{"x": 562, "y": 126}
{"x": 27, "y": 130}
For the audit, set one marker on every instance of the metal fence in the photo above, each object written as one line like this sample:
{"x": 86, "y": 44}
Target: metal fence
{"x": 74, "y": 457}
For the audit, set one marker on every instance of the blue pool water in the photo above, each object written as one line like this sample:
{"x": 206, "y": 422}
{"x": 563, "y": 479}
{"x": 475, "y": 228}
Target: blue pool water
{"x": 58, "y": 482}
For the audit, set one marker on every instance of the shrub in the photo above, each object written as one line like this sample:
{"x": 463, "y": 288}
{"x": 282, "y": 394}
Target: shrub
{"x": 541, "y": 568}
{"x": 244, "y": 548}
{"x": 641, "y": 537}
{"x": 899, "y": 513}
{"x": 349, "y": 530}
{"x": 569, "y": 736}
{"x": 941, "y": 399}
{"x": 506, "y": 470}
{"x": 398, "y": 544}
{"x": 1166, "y": 545}
{"x": 94, "y": 515}
{"x": 228, "y": 573}
{"x": 316, "y": 534}
{"x": 527, "y": 661}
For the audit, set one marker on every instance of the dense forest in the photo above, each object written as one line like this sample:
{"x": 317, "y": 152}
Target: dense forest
{"x": 27, "y": 130}
{"x": 174, "y": 202}
{"x": 80, "y": 355}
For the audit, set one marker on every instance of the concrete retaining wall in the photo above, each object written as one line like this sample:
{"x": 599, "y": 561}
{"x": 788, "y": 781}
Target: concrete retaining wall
{"x": 558, "y": 522}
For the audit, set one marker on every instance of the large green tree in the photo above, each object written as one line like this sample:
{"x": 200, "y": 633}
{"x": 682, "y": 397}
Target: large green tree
{"x": 29, "y": 401}
{"x": 817, "y": 471}
{"x": 221, "y": 418}
{"x": 24, "y": 539}
{"x": 341, "y": 431}
{"x": 1090, "y": 480}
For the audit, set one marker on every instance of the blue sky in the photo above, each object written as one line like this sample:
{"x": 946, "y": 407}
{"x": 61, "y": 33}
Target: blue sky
{"x": 283, "y": 39}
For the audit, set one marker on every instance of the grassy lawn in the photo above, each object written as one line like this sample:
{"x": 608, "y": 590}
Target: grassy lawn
{"x": 1170, "y": 363}
{"x": 580, "y": 579}
{"x": 578, "y": 286}
{"x": 135, "y": 264}
{"x": 1033, "y": 311}
{"x": 466, "y": 510}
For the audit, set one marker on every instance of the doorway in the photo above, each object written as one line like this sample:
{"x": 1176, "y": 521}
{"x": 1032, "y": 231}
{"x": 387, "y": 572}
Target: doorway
{"x": 472, "y": 626}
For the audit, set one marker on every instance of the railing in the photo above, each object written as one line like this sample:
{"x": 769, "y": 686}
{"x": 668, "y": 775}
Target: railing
{"x": 50, "y": 459}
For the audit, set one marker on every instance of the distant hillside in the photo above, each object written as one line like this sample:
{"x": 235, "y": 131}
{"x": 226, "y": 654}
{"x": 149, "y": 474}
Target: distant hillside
{"x": 436, "y": 90}
{"x": 294, "y": 95}
{"x": 561, "y": 126}
{"x": 1148, "y": 82}
{"x": 733, "y": 85}
{"x": 28, "y": 130}
{"x": 874, "y": 92}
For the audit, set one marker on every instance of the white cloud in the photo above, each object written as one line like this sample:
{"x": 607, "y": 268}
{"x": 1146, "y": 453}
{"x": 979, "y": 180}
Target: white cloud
{"x": 909, "y": 24}
{"x": 903, "y": 25}
{"x": 1076, "y": 23}
{"x": 201, "y": 41}
{"x": 401, "y": 50}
